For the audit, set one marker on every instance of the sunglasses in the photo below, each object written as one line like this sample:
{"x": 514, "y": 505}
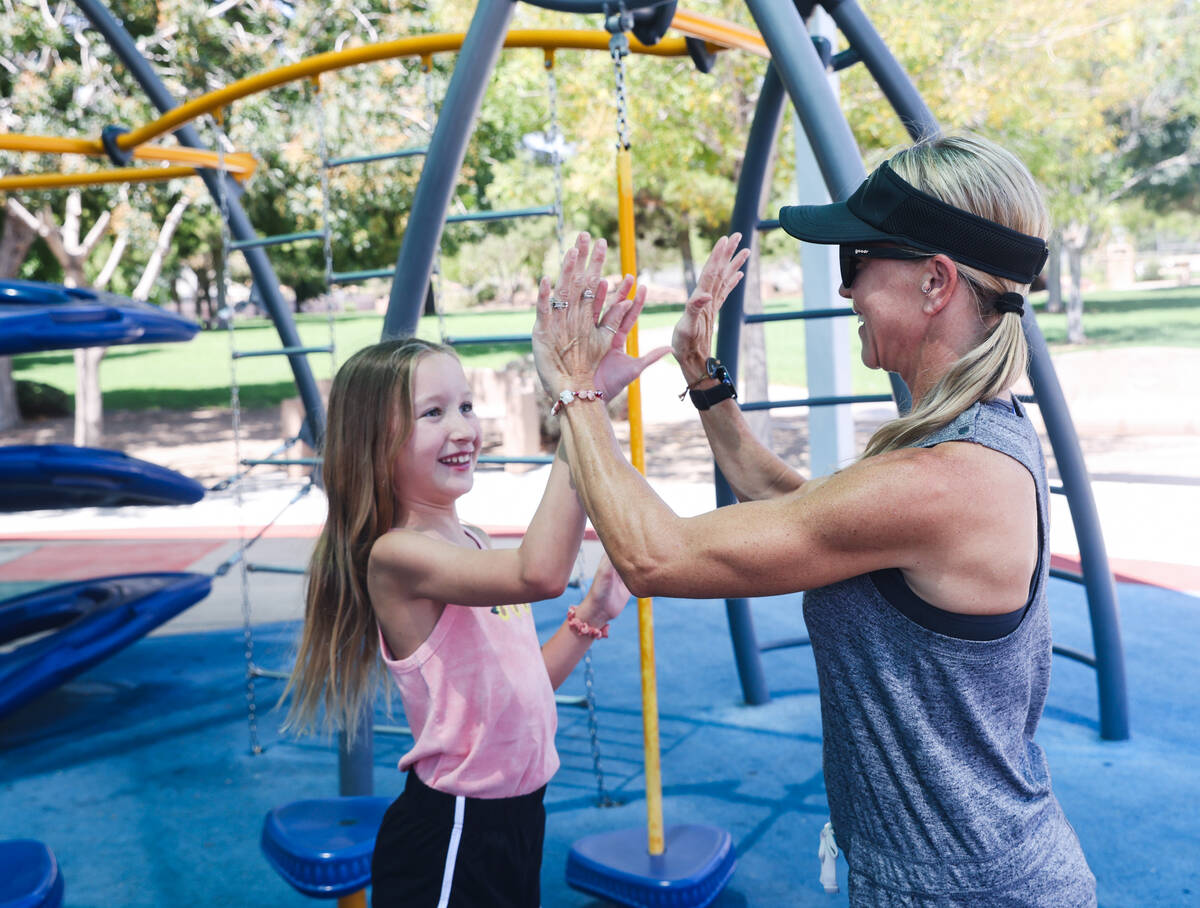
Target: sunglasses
{"x": 849, "y": 257}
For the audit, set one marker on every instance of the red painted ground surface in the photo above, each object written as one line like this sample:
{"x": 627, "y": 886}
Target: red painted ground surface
{"x": 1185, "y": 577}
{"x": 119, "y": 553}
{"x": 83, "y": 560}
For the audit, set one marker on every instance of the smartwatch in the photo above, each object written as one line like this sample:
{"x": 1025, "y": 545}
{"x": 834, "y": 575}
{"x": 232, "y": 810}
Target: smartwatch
{"x": 717, "y": 393}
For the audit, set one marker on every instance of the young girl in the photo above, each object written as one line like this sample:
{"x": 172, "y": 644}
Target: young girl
{"x": 397, "y": 578}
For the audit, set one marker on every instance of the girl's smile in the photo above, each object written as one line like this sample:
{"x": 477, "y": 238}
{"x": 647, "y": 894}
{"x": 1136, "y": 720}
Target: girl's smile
{"x": 436, "y": 465}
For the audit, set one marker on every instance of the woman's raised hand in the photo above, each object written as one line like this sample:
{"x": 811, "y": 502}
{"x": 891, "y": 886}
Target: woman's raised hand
{"x": 691, "y": 341}
{"x": 577, "y": 342}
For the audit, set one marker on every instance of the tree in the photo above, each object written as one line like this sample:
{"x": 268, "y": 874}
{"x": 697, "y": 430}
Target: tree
{"x": 16, "y": 238}
{"x": 1072, "y": 94}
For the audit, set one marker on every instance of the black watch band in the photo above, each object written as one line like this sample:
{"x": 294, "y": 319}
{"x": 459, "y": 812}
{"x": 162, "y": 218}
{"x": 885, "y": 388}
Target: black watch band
{"x": 714, "y": 395}
{"x": 717, "y": 393}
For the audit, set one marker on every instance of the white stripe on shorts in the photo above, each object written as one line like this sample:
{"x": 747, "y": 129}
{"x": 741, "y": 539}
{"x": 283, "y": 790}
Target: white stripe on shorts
{"x": 460, "y": 804}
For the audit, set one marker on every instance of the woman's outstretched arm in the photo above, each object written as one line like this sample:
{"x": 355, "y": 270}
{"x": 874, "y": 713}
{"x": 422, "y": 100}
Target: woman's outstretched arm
{"x": 752, "y": 470}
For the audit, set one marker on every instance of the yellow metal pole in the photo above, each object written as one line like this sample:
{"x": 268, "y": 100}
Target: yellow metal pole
{"x": 239, "y": 163}
{"x": 93, "y": 178}
{"x": 721, "y": 34}
{"x": 637, "y": 453}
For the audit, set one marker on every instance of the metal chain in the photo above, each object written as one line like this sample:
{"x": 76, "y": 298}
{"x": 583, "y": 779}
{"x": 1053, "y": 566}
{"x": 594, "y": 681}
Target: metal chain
{"x": 436, "y": 276}
{"x": 603, "y": 799}
{"x": 326, "y": 219}
{"x": 555, "y": 150}
{"x": 235, "y": 405}
{"x": 618, "y": 48}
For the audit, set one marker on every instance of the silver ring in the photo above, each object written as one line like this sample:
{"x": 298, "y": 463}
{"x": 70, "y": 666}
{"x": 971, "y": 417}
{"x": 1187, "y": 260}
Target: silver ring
{"x": 589, "y": 294}
{"x": 557, "y": 302}
{"x": 609, "y": 328}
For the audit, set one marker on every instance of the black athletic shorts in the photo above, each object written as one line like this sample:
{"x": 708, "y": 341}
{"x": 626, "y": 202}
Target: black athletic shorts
{"x": 435, "y": 850}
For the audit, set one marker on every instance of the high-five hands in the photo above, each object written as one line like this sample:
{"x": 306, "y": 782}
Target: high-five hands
{"x": 578, "y": 343}
{"x": 691, "y": 341}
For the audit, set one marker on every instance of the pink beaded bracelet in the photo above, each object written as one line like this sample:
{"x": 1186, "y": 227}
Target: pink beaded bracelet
{"x": 583, "y": 629}
{"x": 567, "y": 396}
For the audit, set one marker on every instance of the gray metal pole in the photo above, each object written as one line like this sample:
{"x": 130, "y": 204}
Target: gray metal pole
{"x": 824, "y": 124}
{"x": 426, "y": 218}
{"x": 1093, "y": 557}
{"x": 895, "y": 83}
{"x": 241, "y": 228}
{"x": 356, "y": 765}
{"x": 804, "y": 77}
{"x": 744, "y": 220}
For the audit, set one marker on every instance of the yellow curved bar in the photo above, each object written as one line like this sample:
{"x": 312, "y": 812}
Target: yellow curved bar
{"x": 93, "y": 178}
{"x": 420, "y": 46}
{"x": 720, "y": 32}
{"x": 239, "y": 163}
{"x": 50, "y": 144}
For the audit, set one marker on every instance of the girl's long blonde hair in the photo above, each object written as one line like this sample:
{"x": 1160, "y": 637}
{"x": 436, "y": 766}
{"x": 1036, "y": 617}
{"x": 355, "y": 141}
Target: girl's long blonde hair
{"x": 978, "y": 176}
{"x": 369, "y": 420}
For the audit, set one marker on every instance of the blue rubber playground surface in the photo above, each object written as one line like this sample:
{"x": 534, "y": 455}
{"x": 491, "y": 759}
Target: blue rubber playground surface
{"x": 138, "y": 774}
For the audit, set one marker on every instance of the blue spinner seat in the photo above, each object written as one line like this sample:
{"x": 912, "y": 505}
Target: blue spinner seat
{"x": 323, "y": 847}
{"x": 29, "y": 875}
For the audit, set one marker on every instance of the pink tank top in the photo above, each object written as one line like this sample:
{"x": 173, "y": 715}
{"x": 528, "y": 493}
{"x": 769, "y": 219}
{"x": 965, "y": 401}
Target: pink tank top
{"x": 479, "y": 702}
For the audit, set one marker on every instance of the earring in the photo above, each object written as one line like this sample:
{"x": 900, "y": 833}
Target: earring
{"x": 926, "y": 288}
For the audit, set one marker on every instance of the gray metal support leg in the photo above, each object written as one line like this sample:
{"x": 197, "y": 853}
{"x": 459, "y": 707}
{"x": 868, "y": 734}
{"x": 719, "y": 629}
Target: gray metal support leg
{"x": 804, "y": 77}
{"x": 895, "y": 83}
{"x": 820, "y": 114}
{"x": 356, "y": 765}
{"x": 744, "y": 220}
{"x": 426, "y": 219}
{"x": 241, "y": 228}
{"x": 1097, "y": 578}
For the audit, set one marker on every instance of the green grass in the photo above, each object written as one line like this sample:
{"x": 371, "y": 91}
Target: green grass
{"x": 197, "y": 373}
{"x": 1131, "y": 318}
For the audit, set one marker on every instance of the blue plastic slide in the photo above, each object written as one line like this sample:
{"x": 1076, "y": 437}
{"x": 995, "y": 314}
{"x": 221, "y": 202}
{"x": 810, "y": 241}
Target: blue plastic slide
{"x": 87, "y": 621}
{"x": 33, "y": 477}
{"x": 36, "y": 316}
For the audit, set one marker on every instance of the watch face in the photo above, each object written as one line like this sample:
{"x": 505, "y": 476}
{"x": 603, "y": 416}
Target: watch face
{"x": 713, "y": 365}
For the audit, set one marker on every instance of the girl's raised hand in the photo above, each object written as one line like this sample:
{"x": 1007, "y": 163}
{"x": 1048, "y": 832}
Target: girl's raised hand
{"x": 608, "y": 592}
{"x": 578, "y": 343}
{"x": 691, "y": 341}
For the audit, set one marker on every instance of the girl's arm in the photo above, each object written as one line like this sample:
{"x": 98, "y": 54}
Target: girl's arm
{"x": 605, "y": 599}
{"x": 752, "y": 470}
{"x": 443, "y": 570}
{"x": 417, "y": 565}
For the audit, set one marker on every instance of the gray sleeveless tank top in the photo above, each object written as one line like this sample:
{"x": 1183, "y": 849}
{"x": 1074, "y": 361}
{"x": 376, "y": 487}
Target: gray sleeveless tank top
{"x": 938, "y": 793}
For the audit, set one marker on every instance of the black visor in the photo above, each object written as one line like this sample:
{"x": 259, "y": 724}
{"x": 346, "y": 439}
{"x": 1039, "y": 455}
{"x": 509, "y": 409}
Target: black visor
{"x": 885, "y": 209}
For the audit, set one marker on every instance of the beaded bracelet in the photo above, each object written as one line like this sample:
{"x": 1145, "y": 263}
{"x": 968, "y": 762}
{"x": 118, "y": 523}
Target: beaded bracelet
{"x": 567, "y": 396}
{"x": 583, "y": 629}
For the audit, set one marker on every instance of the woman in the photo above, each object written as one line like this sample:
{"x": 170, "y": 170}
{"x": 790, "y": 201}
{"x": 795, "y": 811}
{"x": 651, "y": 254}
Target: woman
{"x": 924, "y": 564}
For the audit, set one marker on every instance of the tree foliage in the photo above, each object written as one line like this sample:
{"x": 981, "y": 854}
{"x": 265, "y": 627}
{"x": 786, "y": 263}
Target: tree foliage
{"x": 1098, "y": 96}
